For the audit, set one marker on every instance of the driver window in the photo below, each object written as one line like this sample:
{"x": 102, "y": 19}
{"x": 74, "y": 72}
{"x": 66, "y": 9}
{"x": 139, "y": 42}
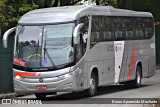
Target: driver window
{"x": 81, "y": 46}
{"x": 84, "y": 33}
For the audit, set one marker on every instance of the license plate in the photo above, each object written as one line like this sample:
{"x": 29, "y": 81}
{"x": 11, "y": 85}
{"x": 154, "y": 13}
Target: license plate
{"x": 41, "y": 87}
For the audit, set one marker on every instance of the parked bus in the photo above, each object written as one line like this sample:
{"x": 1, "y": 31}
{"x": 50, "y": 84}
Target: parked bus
{"x": 79, "y": 48}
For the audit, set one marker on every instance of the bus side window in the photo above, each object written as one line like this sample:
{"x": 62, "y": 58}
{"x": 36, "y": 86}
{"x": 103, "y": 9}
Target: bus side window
{"x": 96, "y": 30}
{"x": 81, "y": 46}
{"x": 107, "y": 35}
{"x": 129, "y": 35}
{"x": 139, "y": 31}
{"x": 95, "y": 37}
{"x": 118, "y": 35}
{"x": 129, "y": 28}
{"x": 139, "y": 34}
{"x": 84, "y": 31}
{"x": 148, "y": 25}
{"x": 119, "y": 28}
{"x": 107, "y": 29}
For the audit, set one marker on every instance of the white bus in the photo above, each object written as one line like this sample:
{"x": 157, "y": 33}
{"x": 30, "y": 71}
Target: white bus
{"x": 79, "y": 48}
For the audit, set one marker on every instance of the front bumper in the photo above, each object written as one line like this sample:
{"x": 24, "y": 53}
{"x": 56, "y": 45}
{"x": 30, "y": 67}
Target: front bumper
{"x": 68, "y": 84}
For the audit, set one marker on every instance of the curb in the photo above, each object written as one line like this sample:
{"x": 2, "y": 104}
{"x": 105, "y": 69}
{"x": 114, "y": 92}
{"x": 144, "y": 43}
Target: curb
{"x": 157, "y": 67}
{"x": 12, "y": 95}
{"x": 8, "y": 95}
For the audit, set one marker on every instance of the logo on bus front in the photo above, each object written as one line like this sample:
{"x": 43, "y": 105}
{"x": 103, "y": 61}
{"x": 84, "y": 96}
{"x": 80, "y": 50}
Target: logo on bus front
{"x": 41, "y": 80}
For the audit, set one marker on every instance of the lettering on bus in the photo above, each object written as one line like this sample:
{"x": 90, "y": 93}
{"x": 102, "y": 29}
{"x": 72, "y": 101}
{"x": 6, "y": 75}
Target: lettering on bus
{"x": 116, "y": 48}
{"x": 40, "y": 69}
{"x": 110, "y": 48}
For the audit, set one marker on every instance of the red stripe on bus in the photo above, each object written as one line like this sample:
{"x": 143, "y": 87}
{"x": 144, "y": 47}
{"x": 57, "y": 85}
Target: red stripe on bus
{"x": 131, "y": 62}
{"x": 39, "y": 74}
{"x": 25, "y": 73}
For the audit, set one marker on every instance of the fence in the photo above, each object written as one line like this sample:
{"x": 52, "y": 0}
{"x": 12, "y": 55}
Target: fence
{"x": 157, "y": 33}
{"x": 6, "y": 71}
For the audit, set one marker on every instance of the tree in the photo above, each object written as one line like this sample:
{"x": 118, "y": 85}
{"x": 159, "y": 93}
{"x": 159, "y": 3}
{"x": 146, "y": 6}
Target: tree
{"x": 0, "y": 27}
{"x": 55, "y": 4}
{"x": 121, "y": 4}
{"x": 151, "y": 6}
{"x": 2, "y": 9}
{"x": 13, "y": 10}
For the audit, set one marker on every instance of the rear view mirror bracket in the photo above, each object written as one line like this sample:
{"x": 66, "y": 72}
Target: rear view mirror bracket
{"x": 5, "y": 36}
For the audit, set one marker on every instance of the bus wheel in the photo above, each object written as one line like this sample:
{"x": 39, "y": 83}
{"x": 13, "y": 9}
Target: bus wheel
{"x": 137, "y": 82}
{"x": 93, "y": 86}
{"x": 40, "y": 96}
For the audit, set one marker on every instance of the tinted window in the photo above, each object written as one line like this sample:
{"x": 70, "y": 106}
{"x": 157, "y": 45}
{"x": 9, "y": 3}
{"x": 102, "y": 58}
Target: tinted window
{"x": 148, "y": 27}
{"x": 138, "y": 28}
{"x": 128, "y": 21}
{"x": 96, "y": 30}
{"x": 102, "y": 29}
{"x": 106, "y": 28}
{"x": 119, "y": 24}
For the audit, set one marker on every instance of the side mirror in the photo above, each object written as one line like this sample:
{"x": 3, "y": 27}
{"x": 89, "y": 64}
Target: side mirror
{"x": 5, "y": 36}
{"x": 76, "y": 33}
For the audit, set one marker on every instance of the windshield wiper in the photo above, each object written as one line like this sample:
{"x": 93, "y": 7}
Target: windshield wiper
{"x": 45, "y": 51}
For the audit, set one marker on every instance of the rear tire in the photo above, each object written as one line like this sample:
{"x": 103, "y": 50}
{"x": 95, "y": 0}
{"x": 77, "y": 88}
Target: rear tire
{"x": 137, "y": 82}
{"x": 92, "y": 91}
{"x": 40, "y": 96}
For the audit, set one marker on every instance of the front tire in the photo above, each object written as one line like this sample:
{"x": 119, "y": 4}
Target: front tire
{"x": 92, "y": 91}
{"x": 40, "y": 96}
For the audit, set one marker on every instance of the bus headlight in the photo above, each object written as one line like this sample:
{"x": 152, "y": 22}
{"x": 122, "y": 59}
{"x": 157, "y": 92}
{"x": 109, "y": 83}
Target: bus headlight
{"x": 65, "y": 76}
{"x": 17, "y": 77}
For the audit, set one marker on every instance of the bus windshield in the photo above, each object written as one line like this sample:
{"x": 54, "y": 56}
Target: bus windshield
{"x": 44, "y": 46}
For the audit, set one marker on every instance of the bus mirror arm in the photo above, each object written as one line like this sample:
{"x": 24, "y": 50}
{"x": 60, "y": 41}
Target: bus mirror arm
{"x": 5, "y": 36}
{"x": 85, "y": 36}
{"x": 76, "y": 33}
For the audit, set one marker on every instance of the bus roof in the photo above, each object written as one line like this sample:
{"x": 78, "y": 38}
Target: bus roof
{"x": 71, "y": 13}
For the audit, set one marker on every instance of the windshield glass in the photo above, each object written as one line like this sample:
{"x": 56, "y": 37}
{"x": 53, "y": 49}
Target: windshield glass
{"x": 44, "y": 46}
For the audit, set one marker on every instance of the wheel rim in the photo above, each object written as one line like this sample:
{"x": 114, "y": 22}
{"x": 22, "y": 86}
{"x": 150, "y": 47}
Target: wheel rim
{"x": 92, "y": 85}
